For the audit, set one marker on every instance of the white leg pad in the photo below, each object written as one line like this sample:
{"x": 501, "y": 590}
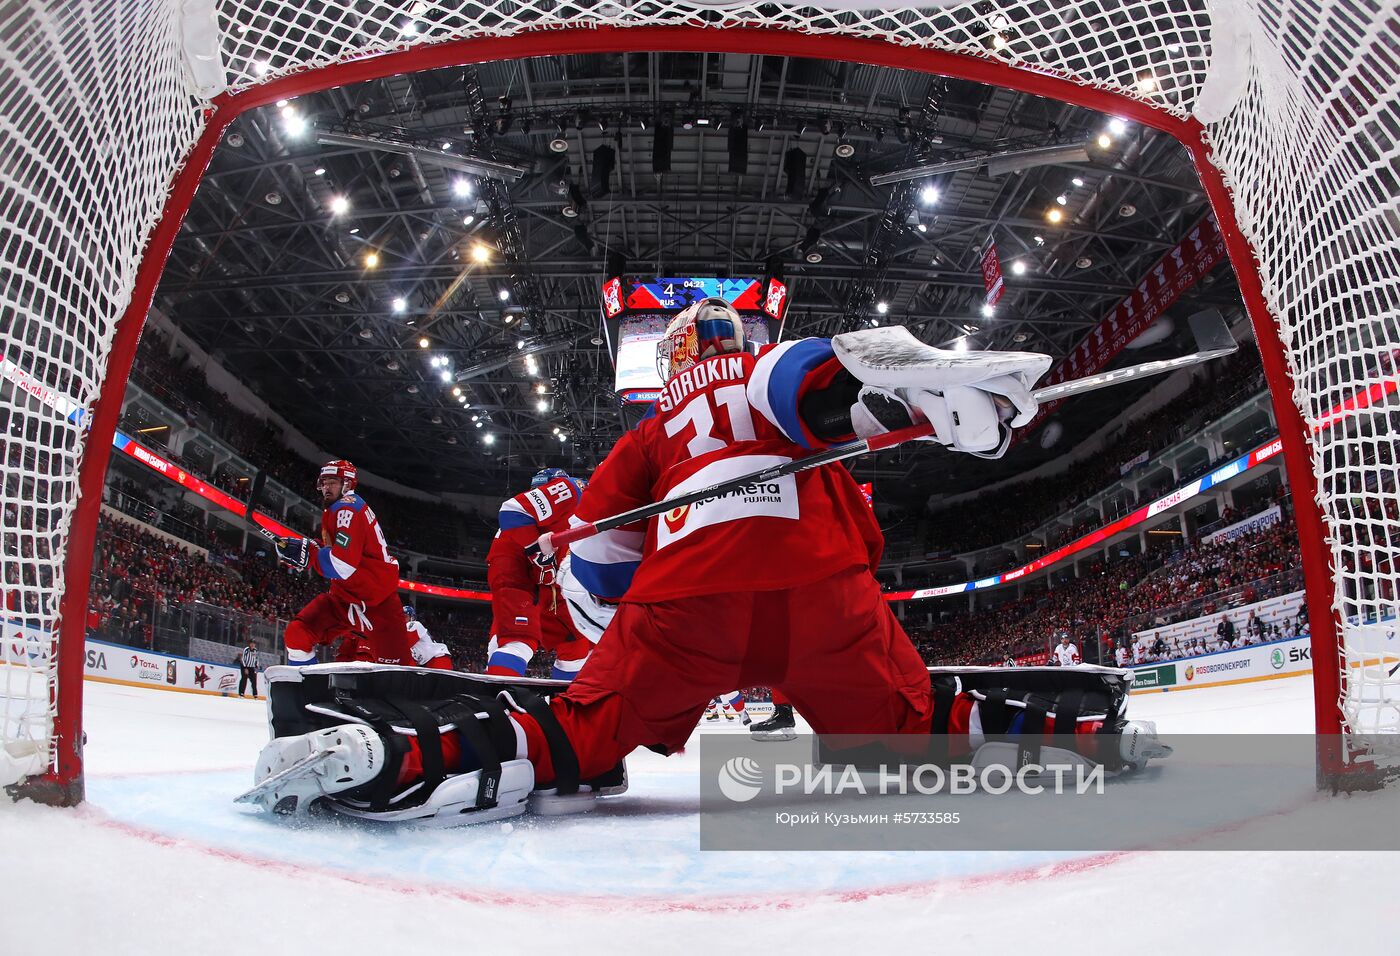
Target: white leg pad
{"x": 1003, "y": 753}
{"x": 453, "y": 803}
{"x": 549, "y": 803}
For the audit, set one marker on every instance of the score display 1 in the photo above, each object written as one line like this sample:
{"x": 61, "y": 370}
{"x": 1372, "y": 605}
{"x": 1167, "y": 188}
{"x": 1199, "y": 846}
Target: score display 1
{"x": 644, "y": 307}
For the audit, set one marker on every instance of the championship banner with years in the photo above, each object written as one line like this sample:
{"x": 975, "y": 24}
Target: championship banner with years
{"x": 991, "y": 273}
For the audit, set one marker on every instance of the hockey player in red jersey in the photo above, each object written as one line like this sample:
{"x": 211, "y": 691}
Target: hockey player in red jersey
{"x": 354, "y": 557}
{"x": 527, "y": 612}
{"x": 770, "y": 584}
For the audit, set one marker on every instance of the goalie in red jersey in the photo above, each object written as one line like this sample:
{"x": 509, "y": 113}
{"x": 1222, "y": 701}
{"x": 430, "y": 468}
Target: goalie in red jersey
{"x": 354, "y": 557}
{"x": 528, "y": 612}
{"x": 769, "y": 583}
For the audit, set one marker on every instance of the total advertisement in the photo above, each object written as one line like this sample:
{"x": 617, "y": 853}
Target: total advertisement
{"x": 130, "y": 665}
{"x": 1257, "y": 662}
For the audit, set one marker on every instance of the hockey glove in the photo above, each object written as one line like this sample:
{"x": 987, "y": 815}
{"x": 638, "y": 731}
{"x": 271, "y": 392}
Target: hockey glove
{"x": 539, "y": 559}
{"x": 294, "y": 552}
{"x": 964, "y": 419}
{"x": 972, "y": 399}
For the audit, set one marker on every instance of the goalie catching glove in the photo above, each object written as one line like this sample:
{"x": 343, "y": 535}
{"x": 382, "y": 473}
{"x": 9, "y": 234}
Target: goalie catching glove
{"x": 972, "y": 399}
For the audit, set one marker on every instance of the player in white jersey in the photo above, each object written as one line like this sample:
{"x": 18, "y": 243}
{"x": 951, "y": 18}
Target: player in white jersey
{"x": 1066, "y": 653}
{"x": 1121, "y": 656}
{"x": 426, "y": 651}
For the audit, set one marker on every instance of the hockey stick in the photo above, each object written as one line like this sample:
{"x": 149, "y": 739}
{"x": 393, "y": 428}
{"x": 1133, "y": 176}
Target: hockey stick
{"x": 254, "y": 493}
{"x": 1212, "y": 338}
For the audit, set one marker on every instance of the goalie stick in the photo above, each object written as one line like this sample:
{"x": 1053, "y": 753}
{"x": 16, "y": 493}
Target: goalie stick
{"x": 1213, "y": 340}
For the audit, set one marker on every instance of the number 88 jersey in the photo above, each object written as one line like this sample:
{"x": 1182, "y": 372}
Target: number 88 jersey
{"x": 724, "y": 417}
{"x": 355, "y": 555}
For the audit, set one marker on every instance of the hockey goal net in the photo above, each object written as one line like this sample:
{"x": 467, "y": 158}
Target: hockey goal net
{"x": 109, "y": 113}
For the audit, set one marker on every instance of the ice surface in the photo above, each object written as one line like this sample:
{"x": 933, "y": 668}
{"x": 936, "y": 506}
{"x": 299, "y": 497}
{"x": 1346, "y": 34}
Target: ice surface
{"x": 160, "y": 860}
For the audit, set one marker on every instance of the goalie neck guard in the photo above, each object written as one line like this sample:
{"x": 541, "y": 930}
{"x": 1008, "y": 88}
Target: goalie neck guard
{"x": 707, "y": 328}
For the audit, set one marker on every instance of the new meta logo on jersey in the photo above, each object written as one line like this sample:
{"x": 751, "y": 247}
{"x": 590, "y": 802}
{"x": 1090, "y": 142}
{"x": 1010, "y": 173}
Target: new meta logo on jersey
{"x": 675, "y": 518}
{"x": 740, "y": 779}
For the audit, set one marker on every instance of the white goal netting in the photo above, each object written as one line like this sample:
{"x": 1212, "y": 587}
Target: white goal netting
{"x": 101, "y": 104}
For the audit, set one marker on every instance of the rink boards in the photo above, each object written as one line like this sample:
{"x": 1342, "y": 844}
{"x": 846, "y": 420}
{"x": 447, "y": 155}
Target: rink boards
{"x": 1286, "y": 658}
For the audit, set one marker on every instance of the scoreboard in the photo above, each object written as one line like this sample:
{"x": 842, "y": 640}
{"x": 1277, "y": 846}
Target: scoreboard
{"x": 638, "y": 311}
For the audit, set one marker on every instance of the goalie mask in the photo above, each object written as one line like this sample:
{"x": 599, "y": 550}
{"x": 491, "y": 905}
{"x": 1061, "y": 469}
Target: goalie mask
{"x": 707, "y": 328}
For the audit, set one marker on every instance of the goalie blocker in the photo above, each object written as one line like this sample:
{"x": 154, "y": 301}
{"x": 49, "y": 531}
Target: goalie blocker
{"x": 341, "y": 738}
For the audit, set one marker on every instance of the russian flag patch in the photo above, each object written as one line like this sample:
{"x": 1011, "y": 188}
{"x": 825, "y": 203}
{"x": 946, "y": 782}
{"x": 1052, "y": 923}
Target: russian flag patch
{"x": 521, "y": 619}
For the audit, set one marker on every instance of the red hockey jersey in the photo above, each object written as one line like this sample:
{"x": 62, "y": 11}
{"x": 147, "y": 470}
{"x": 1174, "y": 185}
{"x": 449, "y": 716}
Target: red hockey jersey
{"x": 354, "y": 555}
{"x": 514, "y": 579}
{"x": 727, "y": 416}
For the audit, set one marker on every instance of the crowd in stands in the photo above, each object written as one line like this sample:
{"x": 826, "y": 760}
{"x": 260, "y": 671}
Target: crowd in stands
{"x": 1164, "y": 585}
{"x": 958, "y": 530}
{"x": 141, "y": 580}
{"x": 1227, "y": 635}
{"x": 138, "y": 577}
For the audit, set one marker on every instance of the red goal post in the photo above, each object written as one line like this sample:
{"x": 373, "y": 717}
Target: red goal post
{"x": 1288, "y": 109}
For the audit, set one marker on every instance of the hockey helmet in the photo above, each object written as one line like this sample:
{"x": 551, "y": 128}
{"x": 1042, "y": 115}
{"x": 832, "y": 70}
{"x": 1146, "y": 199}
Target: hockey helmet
{"x": 342, "y": 470}
{"x": 545, "y": 475}
{"x": 409, "y": 612}
{"x": 709, "y": 327}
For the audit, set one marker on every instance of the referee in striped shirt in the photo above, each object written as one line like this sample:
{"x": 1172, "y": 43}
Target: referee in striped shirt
{"x": 248, "y": 664}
